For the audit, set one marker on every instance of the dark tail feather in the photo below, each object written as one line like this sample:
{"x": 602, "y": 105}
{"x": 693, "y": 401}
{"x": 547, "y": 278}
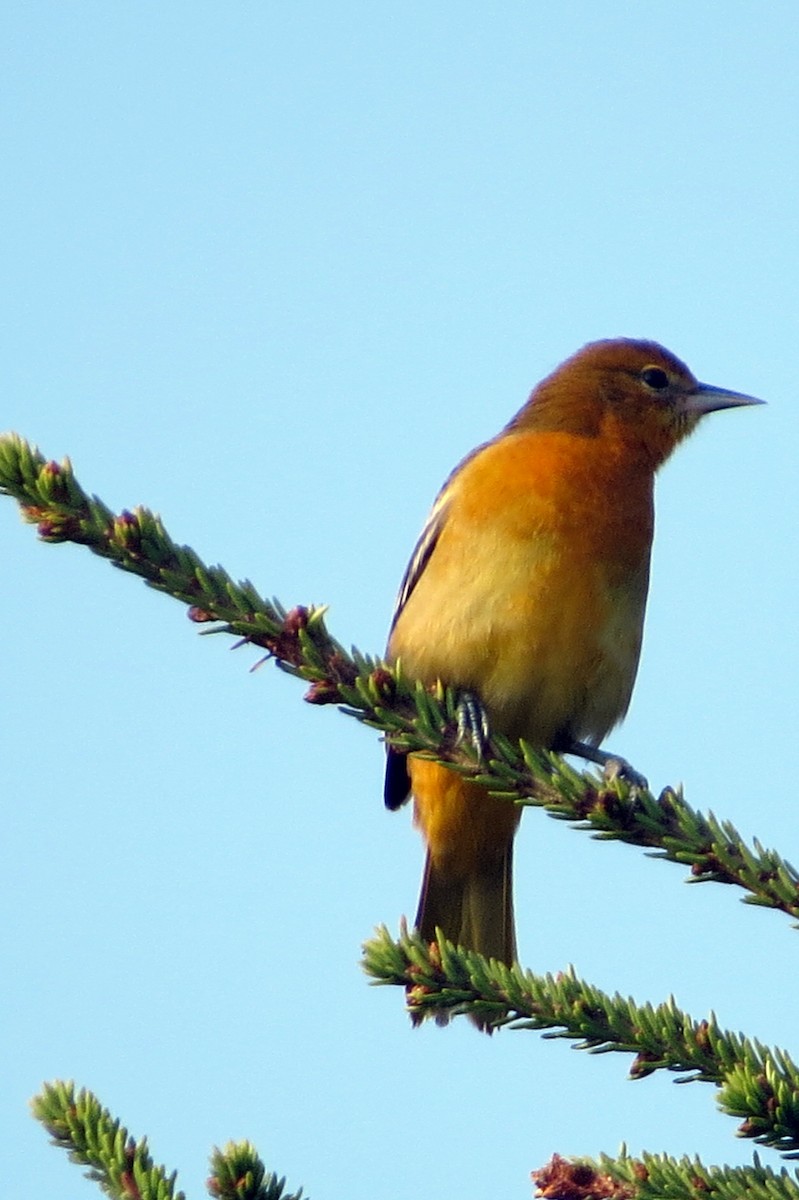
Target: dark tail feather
{"x": 474, "y": 910}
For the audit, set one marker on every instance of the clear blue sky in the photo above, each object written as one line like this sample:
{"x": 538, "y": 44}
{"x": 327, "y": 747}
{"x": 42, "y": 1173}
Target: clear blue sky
{"x": 271, "y": 270}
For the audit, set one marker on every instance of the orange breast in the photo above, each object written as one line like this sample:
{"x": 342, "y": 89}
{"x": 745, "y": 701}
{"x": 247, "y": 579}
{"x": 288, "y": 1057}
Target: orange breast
{"x": 534, "y": 595}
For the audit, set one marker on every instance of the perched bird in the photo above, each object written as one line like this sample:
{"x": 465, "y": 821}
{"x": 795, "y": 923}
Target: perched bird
{"x": 527, "y": 589}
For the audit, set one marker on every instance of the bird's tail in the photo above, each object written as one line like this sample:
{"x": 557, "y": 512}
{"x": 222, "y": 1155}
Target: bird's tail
{"x": 473, "y": 909}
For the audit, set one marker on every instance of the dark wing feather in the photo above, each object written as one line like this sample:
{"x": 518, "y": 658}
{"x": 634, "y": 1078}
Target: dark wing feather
{"x": 397, "y": 782}
{"x": 422, "y": 551}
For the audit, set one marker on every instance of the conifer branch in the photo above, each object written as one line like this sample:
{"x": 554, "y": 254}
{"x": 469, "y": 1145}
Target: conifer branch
{"x": 237, "y": 1173}
{"x": 757, "y": 1085}
{"x": 414, "y": 718}
{"x": 653, "y": 1176}
{"x": 123, "y": 1167}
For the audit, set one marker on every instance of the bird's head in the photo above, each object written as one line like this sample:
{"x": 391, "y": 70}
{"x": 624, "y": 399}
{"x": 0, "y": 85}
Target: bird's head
{"x": 636, "y": 393}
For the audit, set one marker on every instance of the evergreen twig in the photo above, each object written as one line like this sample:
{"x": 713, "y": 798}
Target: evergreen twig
{"x": 78, "y": 1123}
{"x": 414, "y": 718}
{"x": 237, "y": 1173}
{"x": 655, "y": 1176}
{"x": 757, "y": 1085}
{"x": 123, "y": 1167}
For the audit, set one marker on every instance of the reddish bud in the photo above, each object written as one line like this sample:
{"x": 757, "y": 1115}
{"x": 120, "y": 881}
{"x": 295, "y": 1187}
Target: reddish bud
{"x": 644, "y": 1064}
{"x": 129, "y": 1185}
{"x": 434, "y": 950}
{"x": 127, "y": 531}
{"x": 564, "y": 1180}
{"x": 323, "y": 691}
{"x": 341, "y": 669}
{"x": 200, "y": 615}
{"x": 295, "y": 620}
{"x": 702, "y": 1038}
{"x": 383, "y": 682}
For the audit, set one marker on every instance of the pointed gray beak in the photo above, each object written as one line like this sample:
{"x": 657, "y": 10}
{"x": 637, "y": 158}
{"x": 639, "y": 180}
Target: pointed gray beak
{"x": 706, "y": 399}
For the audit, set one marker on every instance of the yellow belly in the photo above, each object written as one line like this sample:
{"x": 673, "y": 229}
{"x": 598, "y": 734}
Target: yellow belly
{"x": 535, "y": 605}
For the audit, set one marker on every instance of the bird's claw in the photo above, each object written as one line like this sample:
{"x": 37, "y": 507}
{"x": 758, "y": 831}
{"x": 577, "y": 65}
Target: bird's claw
{"x": 618, "y": 768}
{"x": 613, "y": 765}
{"x": 473, "y": 723}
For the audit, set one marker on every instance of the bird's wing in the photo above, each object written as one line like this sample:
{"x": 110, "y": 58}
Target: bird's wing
{"x": 423, "y": 550}
{"x": 397, "y": 781}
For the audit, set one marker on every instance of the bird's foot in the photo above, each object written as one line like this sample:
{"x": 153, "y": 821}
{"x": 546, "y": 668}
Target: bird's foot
{"x": 473, "y": 723}
{"x": 618, "y": 768}
{"x": 613, "y": 765}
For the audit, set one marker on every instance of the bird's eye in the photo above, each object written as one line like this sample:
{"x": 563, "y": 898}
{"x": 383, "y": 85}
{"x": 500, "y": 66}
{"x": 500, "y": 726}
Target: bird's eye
{"x": 655, "y": 378}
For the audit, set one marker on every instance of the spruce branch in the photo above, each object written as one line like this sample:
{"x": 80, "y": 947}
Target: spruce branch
{"x": 653, "y": 1176}
{"x": 123, "y": 1167}
{"x": 414, "y": 718}
{"x": 756, "y": 1085}
{"x": 237, "y": 1173}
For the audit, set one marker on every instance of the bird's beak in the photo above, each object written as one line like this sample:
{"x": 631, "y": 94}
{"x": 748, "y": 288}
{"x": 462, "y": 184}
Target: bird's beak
{"x": 706, "y": 399}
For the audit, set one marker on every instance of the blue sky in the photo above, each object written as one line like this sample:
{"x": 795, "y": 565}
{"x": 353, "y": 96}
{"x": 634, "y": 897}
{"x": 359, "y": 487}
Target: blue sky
{"x": 272, "y": 270}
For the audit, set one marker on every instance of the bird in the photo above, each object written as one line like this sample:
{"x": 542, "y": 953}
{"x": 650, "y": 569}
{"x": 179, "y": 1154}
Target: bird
{"x": 526, "y": 592}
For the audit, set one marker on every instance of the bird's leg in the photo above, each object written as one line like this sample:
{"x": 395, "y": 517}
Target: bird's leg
{"x": 613, "y": 765}
{"x": 473, "y": 723}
